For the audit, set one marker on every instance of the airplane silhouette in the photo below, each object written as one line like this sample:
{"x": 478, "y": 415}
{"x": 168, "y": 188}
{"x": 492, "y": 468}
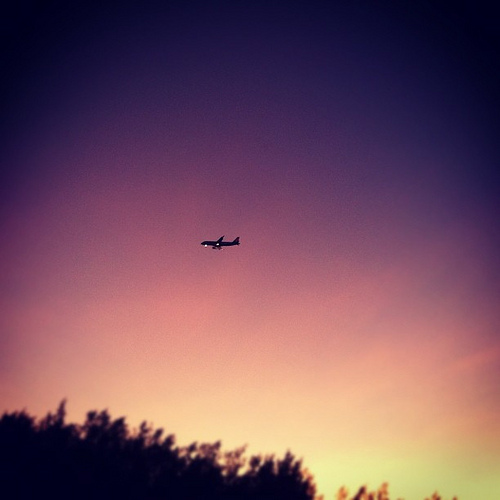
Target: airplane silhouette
{"x": 217, "y": 245}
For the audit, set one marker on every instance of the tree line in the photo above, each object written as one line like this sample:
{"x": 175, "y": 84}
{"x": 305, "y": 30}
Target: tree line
{"x": 104, "y": 458}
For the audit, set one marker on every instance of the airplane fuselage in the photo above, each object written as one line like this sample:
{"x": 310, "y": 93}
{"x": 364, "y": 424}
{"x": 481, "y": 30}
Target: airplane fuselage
{"x": 217, "y": 245}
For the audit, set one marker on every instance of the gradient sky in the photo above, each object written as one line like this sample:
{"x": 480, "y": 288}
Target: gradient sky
{"x": 352, "y": 146}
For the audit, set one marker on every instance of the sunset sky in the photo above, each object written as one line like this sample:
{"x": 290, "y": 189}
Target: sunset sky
{"x": 351, "y": 145}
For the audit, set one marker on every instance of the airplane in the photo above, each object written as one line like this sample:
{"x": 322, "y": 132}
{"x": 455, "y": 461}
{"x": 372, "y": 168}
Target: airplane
{"x": 217, "y": 245}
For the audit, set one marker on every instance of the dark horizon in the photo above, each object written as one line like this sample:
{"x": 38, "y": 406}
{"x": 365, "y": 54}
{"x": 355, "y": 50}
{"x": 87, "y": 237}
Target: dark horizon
{"x": 104, "y": 458}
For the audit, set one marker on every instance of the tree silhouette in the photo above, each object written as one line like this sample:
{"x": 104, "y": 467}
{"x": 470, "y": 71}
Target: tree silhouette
{"x": 103, "y": 458}
{"x": 381, "y": 494}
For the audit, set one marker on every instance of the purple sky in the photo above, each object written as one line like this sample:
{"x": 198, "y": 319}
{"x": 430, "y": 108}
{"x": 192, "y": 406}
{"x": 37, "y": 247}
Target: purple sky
{"x": 353, "y": 148}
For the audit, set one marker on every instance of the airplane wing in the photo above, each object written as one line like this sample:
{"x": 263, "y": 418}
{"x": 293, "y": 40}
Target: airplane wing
{"x": 219, "y": 240}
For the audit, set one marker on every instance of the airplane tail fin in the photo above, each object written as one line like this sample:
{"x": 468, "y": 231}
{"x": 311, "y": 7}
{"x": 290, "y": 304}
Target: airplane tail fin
{"x": 237, "y": 241}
